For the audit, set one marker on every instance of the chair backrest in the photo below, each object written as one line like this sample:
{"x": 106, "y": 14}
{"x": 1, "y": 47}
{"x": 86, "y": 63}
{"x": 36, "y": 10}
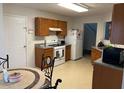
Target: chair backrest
{"x": 47, "y": 66}
{"x": 4, "y": 61}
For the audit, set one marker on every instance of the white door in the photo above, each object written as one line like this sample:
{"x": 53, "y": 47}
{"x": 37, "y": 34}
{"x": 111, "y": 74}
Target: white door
{"x": 15, "y": 32}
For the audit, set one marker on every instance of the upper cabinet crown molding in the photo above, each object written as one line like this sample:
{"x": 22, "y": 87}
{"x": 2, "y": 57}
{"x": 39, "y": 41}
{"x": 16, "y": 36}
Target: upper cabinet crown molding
{"x": 42, "y": 26}
{"x": 117, "y": 34}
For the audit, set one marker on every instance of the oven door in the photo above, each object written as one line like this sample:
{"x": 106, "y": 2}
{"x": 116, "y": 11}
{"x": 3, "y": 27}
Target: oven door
{"x": 59, "y": 53}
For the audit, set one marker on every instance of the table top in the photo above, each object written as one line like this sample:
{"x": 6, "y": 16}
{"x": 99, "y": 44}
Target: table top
{"x": 31, "y": 78}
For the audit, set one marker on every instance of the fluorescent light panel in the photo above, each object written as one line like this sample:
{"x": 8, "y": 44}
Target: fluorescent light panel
{"x": 73, "y": 7}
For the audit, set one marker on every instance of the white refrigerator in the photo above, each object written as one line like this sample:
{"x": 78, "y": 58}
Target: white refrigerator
{"x": 76, "y": 42}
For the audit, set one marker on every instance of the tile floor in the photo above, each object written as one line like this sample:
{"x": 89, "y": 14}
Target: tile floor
{"x": 74, "y": 74}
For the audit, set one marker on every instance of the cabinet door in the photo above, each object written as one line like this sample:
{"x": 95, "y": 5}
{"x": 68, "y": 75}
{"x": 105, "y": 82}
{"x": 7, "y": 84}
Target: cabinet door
{"x": 41, "y": 27}
{"x": 39, "y": 53}
{"x": 97, "y": 78}
{"x": 47, "y": 52}
{"x": 105, "y": 77}
{"x": 63, "y": 26}
{"x": 95, "y": 54}
{"x": 38, "y": 57}
{"x": 52, "y": 23}
{"x": 117, "y": 34}
{"x": 68, "y": 53}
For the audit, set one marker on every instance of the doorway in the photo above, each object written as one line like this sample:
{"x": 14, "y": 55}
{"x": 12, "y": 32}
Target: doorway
{"x": 14, "y": 27}
{"x": 90, "y": 31}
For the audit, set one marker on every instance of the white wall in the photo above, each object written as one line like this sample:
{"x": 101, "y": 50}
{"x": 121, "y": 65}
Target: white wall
{"x": 31, "y": 14}
{"x": 1, "y": 30}
{"x": 99, "y": 19}
{"x": 2, "y": 40}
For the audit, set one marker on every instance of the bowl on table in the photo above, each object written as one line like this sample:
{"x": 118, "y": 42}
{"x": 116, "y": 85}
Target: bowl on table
{"x": 15, "y": 77}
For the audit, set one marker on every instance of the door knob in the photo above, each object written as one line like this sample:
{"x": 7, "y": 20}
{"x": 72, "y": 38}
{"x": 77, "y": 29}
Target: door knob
{"x": 25, "y": 46}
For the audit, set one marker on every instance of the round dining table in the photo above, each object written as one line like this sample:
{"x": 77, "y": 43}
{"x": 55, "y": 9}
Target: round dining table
{"x": 31, "y": 78}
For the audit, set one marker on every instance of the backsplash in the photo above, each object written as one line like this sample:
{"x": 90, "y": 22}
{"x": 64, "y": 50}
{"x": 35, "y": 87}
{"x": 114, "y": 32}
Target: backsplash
{"x": 51, "y": 38}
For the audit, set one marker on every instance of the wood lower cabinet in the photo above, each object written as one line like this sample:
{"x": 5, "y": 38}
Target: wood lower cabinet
{"x": 117, "y": 33}
{"x": 48, "y": 52}
{"x": 105, "y": 77}
{"x": 39, "y": 53}
{"x": 95, "y": 54}
{"x": 68, "y": 52}
{"x": 38, "y": 56}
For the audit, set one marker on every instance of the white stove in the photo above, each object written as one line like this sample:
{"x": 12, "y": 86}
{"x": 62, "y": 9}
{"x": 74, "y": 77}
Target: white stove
{"x": 59, "y": 53}
{"x": 59, "y": 50}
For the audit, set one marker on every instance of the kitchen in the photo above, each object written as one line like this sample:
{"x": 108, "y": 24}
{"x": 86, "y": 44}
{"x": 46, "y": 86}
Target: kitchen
{"x": 33, "y": 38}
{"x": 57, "y": 44}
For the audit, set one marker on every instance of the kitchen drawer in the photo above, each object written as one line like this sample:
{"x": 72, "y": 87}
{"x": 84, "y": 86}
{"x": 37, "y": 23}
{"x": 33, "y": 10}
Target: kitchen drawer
{"x": 94, "y": 50}
{"x": 48, "y": 54}
{"x": 48, "y": 50}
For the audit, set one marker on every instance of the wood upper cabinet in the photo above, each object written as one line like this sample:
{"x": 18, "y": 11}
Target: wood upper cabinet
{"x": 52, "y": 23}
{"x": 117, "y": 34}
{"x": 41, "y": 26}
{"x": 68, "y": 52}
{"x": 105, "y": 77}
{"x": 63, "y": 26}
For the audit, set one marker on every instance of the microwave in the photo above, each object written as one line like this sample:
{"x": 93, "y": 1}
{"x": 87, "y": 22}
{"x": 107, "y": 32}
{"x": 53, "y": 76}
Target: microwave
{"x": 113, "y": 56}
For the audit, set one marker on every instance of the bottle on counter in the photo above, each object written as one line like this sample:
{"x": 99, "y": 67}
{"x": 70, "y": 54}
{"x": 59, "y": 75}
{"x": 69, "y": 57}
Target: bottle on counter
{"x": 5, "y": 76}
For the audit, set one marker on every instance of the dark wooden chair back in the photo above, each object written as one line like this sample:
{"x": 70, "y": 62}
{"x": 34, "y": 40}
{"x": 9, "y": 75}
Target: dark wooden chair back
{"x": 4, "y": 61}
{"x": 47, "y": 67}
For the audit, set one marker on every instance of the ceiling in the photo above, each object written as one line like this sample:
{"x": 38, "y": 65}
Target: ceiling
{"x": 94, "y": 8}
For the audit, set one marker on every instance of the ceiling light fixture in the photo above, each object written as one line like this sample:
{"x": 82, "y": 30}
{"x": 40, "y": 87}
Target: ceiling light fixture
{"x": 73, "y": 7}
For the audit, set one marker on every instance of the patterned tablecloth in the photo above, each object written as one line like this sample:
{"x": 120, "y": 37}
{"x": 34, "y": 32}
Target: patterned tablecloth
{"x": 31, "y": 78}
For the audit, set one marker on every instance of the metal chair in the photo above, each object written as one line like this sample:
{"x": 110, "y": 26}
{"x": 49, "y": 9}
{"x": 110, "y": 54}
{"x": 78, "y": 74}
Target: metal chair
{"x": 47, "y": 67}
{"x": 3, "y": 61}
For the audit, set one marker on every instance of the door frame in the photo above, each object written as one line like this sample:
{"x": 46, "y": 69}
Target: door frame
{"x": 26, "y": 32}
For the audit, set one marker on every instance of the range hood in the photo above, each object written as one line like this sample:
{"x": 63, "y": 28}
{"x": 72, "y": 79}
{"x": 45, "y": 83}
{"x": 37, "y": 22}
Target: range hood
{"x": 55, "y": 29}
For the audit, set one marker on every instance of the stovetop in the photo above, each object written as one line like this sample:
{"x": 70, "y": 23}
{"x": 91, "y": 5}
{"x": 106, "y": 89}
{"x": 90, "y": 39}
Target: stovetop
{"x": 56, "y": 45}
